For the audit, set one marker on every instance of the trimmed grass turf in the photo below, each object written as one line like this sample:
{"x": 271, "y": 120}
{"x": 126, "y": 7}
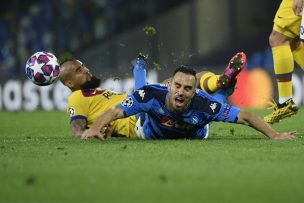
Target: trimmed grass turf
{"x": 40, "y": 162}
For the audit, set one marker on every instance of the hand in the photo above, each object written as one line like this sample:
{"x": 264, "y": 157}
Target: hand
{"x": 297, "y": 7}
{"x": 107, "y": 131}
{"x": 90, "y": 133}
{"x": 285, "y": 136}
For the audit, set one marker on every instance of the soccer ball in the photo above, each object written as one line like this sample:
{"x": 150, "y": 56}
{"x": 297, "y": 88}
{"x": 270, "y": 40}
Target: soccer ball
{"x": 42, "y": 68}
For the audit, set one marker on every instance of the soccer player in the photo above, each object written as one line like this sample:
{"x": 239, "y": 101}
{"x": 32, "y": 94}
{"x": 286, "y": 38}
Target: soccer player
{"x": 286, "y": 48}
{"x": 87, "y": 101}
{"x": 179, "y": 110}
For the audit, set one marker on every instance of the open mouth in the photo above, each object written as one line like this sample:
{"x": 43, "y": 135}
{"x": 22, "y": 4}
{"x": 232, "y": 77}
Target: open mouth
{"x": 179, "y": 101}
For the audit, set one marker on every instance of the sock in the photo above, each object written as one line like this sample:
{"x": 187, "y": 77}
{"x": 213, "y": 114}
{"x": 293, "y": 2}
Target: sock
{"x": 283, "y": 68}
{"x": 140, "y": 78}
{"x": 208, "y": 82}
{"x": 221, "y": 95}
{"x": 298, "y": 55}
{"x": 139, "y": 73}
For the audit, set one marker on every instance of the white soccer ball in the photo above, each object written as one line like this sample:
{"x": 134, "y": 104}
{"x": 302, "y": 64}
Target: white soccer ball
{"x": 42, "y": 68}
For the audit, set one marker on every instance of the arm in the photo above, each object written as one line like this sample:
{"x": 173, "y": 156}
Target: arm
{"x": 249, "y": 119}
{"x": 102, "y": 121}
{"x": 297, "y": 7}
{"x": 78, "y": 126}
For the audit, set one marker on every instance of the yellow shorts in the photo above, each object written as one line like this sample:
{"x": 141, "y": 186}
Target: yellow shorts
{"x": 285, "y": 21}
{"x": 125, "y": 127}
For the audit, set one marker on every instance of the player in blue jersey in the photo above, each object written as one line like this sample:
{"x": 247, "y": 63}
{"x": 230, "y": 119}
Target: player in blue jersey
{"x": 179, "y": 110}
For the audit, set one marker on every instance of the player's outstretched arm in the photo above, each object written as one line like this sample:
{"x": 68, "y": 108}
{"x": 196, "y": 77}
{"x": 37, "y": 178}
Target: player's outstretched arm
{"x": 102, "y": 121}
{"x": 256, "y": 122}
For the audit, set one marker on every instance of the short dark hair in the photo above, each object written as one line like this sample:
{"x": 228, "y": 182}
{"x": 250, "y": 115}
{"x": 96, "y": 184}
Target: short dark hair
{"x": 185, "y": 69}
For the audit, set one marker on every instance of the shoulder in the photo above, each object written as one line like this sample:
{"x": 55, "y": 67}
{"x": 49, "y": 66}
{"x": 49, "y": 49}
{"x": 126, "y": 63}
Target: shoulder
{"x": 149, "y": 92}
{"x": 75, "y": 95}
{"x": 205, "y": 103}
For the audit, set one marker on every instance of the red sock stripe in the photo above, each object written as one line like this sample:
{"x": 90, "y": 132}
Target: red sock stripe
{"x": 286, "y": 77}
{"x": 205, "y": 84}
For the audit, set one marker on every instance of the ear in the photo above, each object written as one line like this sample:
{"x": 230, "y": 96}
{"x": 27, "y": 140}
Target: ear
{"x": 169, "y": 84}
{"x": 69, "y": 84}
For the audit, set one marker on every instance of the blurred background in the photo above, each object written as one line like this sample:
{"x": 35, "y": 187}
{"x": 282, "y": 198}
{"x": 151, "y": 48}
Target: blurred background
{"x": 107, "y": 34}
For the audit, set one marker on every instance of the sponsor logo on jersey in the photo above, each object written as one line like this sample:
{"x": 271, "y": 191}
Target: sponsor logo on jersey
{"x": 141, "y": 94}
{"x": 72, "y": 111}
{"x": 127, "y": 102}
{"x": 213, "y": 106}
{"x": 172, "y": 123}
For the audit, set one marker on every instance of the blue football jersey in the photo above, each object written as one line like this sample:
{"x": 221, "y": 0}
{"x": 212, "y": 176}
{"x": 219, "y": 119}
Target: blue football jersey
{"x": 160, "y": 123}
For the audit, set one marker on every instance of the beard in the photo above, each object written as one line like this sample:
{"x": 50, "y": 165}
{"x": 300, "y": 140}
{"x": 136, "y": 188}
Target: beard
{"x": 91, "y": 84}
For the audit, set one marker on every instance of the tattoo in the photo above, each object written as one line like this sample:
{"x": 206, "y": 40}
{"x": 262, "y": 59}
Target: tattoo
{"x": 77, "y": 127}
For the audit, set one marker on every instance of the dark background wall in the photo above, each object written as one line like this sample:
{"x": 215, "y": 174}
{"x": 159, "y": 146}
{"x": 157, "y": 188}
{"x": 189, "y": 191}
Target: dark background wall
{"x": 107, "y": 34}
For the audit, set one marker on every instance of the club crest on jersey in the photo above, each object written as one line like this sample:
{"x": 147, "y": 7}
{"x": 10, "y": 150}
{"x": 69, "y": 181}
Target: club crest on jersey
{"x": 72, "y": 111}
{"x": 127, "y": 102}
{"x": 161, "y": 110}
{"x": 194, "y": 120}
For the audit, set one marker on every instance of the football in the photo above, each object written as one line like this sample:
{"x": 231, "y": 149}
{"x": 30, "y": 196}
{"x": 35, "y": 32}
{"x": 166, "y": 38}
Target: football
{"x": 42, "y": 68}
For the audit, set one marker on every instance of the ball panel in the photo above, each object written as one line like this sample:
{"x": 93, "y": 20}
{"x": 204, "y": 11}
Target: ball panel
{"x": 39, "y": 77}
{"x": 29, "y": 73}
{"x": 56, "y": 71}
{"x": 43, "y": 58}
{"x": 47, "y": 69}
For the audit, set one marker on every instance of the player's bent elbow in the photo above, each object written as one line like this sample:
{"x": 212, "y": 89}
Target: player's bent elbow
{"x": 76, "y": 134}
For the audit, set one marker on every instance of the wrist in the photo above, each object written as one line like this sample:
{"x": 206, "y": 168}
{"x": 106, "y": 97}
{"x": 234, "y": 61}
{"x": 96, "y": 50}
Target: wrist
{"x": 273, "y": 135}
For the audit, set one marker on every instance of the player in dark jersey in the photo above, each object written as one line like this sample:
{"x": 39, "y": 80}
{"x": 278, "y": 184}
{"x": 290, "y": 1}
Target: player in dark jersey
{"x": 179, "y": 110}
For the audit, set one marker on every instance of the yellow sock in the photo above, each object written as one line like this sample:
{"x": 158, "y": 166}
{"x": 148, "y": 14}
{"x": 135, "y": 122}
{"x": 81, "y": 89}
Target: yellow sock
{"x": 298, "y": 55}
{"x": 208, "y": 82}
{"x": 283, "y": 68}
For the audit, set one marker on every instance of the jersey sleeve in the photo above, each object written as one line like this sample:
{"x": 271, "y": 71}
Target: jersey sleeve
{"x": 216, "y": 110}
{"x": 227, "y": 113}
{"x": 140, "y": 101}
{"x": 77, "y": 107}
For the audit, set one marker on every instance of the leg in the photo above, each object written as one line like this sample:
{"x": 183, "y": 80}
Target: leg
{"x": 284, "y": 44}
{"x": 297, "y": 48}
{"x": 140, "y": 77}
{"x": 283, "y": 67}
{"x": 139, "y": 71}
{"x": 207, "y": 81}
{"x": 222, "y": 84}
{"x": 283, "y": 64}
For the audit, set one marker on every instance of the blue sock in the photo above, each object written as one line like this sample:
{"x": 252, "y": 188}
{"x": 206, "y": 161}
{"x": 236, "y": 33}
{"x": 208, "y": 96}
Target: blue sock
{"x": 222, "y": 95}
{"x": 140, "y": 78}
{"x": 139, "y": 72}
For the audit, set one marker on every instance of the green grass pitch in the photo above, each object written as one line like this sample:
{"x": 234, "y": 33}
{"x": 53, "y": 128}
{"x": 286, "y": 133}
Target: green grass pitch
{"x": 40, "y": 162}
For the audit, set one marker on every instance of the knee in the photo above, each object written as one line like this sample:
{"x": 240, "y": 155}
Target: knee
{"x": 295, "y": 43}
{"x": 277, "y": 39}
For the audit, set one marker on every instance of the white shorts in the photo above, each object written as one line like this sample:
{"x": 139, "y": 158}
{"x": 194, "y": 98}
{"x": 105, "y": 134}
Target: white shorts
{"x": 139, "y": 130}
